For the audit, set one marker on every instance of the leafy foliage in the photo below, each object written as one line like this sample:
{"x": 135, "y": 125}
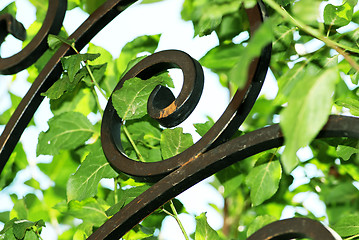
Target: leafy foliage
{"x": 312, "y": 83}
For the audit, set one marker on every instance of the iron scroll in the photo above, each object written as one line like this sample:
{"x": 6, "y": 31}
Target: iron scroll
{"x": 172, "y": 176}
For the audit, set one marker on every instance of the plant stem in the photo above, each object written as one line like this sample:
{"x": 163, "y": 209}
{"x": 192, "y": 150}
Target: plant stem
{"x": 115, "y": 189}
{"x": 175, "y": 216}
{"x": 94, "y": 81}
{"x": 340, "y": 48}
{"x": 90, "y": 73}
{"x": 128, "y": 135}
{"x": 97, "y": 101}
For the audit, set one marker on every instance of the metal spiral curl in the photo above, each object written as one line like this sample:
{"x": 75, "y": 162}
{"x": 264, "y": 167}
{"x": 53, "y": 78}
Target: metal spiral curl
{"x": 38, "y": 45}
{"x": 212, "y": 153}
{"x": 169, "y": 111}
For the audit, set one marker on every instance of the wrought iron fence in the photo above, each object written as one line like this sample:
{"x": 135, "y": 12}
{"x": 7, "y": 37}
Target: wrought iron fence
{"x": 212, "y": 153}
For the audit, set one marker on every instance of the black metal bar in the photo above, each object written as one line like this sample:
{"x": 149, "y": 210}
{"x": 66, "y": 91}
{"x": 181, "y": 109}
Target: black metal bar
{"x": 207, "y": 164}
{"x": 51, "y": 72}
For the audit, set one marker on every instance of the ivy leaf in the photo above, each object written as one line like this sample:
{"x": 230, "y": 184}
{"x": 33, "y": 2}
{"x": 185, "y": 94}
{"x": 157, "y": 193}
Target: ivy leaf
{"x": 174, "y": 141}
{"x": 130, "y": 101}
{"x": 71, "y": 64}
{"x": 263, "y": 181}
{"x": 259, "y": 222}
{"x": 83, "y": 184}
{"x": 203, "y": 230}
{"x": 347, "y": 226}
{"x": 308, "y": 109}
{"x": 66, "y": 131}
{"x": 262, "y": 37}
{"x": 139, "y": 232}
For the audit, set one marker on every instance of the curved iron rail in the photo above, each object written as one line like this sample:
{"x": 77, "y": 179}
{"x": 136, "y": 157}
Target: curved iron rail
{"x": 172, "y": 176}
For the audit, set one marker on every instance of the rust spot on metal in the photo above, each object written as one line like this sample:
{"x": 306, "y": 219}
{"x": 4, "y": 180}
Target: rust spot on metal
{"x": 168, "y": 110}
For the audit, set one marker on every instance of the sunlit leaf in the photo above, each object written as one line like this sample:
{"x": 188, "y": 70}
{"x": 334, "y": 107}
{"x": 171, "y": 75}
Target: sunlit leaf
{"x": 263, "y": 181}
{"x": 347, "y": 226}
{"x": 309, "y": 106}
{"x": 89, "y": 210}
{"x": 71, "y": 64}
{"x": 130, "y": 101}
{"x": 262, "y": 37}
{"x": 203, "y": 230}
{"x": 66, "y": 131}
{"x": 174, "y": 141}
{"x": 83, "y": 184}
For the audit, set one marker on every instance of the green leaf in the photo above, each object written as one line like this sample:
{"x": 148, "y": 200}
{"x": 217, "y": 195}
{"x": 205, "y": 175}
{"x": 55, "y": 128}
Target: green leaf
{"x": 150, "y": 1}
{"x": 262, "y": 37}
{"x": 222, "y": 57}
{"x": 79, "y": 100}
{"x": 202, "y": 128}
{"x": 91, "y": 5}
{"x": 284, "y": 2}
{"x": 83, "y": 184}
{"x": 283, "y": 37}
{"x": 139, "y": 232}
{"x": 11, "y": 9}
{"x": 8, "y": 225}
{"x": 89, "y": 210}
{"x": 308, "y": 109}
{"x": 66, "y": 131}
{"x": 60, "y": 87}
{"x": 21, "y": 226}
{"x": 55, "y": 41}
{"x": 60, "y": 168}
{"x": 347, "y": 226}
{"x": 263, "y": 181}
{"x": 98, "y": 72}
{"x": 258, "y": 223}
{"x": 142, "y": 44}
{"x": 339, "y": 15}
{"x": 71, "y": 64}
{"x": 130, "y": 101}
{"x": 203, "y": 230}
{"x": 16, "y": 162}
{"x": 174, "y": 141}
{"x": 125, "y": 197}
{"x": 351, "y": 103}
{"x": 307, "y": 10}
{"x": 41, "y": 9}
{"x": 83, "y": 231}
{"x": 33, "y": 183}
{"x": 345, "y": 152}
